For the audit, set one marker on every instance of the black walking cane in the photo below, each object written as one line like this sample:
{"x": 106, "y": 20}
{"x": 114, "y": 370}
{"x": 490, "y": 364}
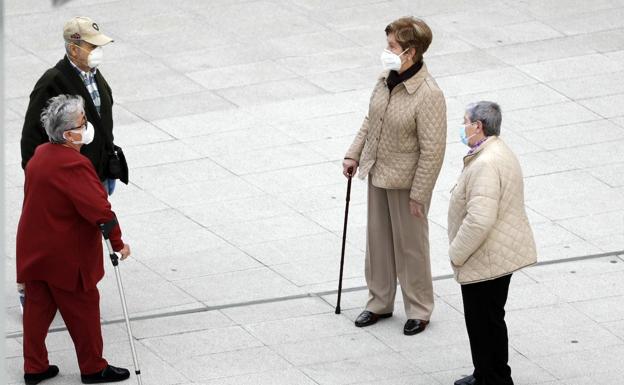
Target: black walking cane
{"x": 106, "y": 229}
{"x": 344, "y": 237}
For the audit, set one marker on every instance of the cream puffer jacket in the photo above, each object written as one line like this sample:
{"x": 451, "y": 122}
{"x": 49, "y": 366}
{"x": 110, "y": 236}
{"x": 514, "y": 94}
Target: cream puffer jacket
{"x": 488, "y": 229}
{"x": 402, "y": 141}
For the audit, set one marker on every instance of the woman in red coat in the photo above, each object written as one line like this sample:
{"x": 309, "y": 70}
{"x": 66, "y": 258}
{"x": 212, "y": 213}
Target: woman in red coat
{"x": 59, "y": 245}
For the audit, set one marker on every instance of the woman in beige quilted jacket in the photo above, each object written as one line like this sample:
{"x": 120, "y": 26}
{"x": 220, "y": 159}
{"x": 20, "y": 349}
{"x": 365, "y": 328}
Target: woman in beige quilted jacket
{"x": 490, "y": 238}
{"x": 400, "y": 147}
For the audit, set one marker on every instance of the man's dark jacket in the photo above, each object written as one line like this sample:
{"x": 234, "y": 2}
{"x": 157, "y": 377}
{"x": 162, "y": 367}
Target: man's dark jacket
{"x": 63, "y": 78}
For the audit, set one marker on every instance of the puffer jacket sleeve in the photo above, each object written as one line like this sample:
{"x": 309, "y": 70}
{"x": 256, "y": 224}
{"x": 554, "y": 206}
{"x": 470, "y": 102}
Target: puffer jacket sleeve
{"x": 431, "y": 131}
{"x": 482, "y": 201}
{"x": 355, "y": 151}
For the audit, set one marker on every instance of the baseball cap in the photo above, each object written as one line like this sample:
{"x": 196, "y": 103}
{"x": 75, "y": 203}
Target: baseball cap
{"x": 83, "y": 28}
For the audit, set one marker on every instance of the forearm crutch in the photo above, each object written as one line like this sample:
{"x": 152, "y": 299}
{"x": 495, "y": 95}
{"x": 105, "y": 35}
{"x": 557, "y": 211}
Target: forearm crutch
{"x": 344, "y": 238}
{"x": 106, "y": 229}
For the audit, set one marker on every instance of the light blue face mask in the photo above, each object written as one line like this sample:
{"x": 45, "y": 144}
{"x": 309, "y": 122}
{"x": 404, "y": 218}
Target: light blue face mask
{"x": 462, "y": 135}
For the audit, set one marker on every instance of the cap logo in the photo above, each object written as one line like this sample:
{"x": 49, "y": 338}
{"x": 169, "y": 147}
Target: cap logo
{"x": 75, "y": 36}
{"x": 95, "y": 26}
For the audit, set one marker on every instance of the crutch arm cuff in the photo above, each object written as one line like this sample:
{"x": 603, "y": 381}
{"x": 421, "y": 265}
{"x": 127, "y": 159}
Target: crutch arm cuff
{"x": 107, "y": 227}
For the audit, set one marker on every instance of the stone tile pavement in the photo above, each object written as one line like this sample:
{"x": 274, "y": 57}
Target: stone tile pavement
{"x": 235, "y": 115}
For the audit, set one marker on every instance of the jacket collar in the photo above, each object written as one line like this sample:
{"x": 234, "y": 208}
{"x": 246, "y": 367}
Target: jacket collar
{"x": 67, "y": 68}
{"x": 413, "y": 83}
{"x": 470, "y": 157}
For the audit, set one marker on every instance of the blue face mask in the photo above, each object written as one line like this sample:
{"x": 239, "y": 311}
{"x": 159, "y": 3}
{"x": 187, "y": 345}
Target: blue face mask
{"x": 462, "y": 135}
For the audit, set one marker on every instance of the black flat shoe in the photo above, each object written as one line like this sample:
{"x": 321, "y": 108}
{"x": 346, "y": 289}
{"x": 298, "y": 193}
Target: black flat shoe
{"x": 468, "y": 380}
{"x": 35, "y": 378}
{"x": 367, "y": 318}
{"x": 108, "y": 374}
{"x": 414, "y": 326}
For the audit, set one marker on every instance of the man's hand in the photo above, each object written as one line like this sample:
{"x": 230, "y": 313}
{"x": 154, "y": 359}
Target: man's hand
{"x": 125, "y": 252}
{"x": 349, "y": 167}
{"x": 417, "y": 209}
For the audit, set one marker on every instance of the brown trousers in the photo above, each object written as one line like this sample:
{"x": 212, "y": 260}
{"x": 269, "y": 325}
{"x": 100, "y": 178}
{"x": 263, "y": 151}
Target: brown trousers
{"x": 397, "y": 246}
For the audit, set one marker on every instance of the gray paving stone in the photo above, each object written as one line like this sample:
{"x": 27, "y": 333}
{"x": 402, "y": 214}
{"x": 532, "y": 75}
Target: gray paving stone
{"x": 361, "y": 369}
{"x": 553, "y": 342}
{"x": 551, "y": 115}
{"x": 596, "y": 226}
{"x": 274, "y": 311}
{"x": 302, "y": 328}
{"x": 590, "y": 86}
{"x": 485, "y": 36}
{"x": 159, "y": 153}
{"x": 308, "y": 247}
{"x": 331, "y": 349}
{"x": 602, "y": 310}
{"x": 269, "y": 92}
{"x": 278, "y": 377}
{"x": 574, "y": 135}
{"x": 246, "y": 285}
{"x": 597, "y": 20}
{"x": 139, "y": 133}
{"x": 208, "y": 123}
{"x": 241, "y": 75}
{"x": 186, "y": 346}
{"x": 177, "y": 105}
{"x": 475, "y": 82}
{"x": 587, "y": 363}
{"x": 193, "y": 322}
{"x": 211, "y": 260}
{"x": 572, "y": 67}
{"x": 605, "y": 106}
{"x": 188, "y": 194}
{"x": 238, "y": 142}
{"x": 542, "y": 50}
{"x": 251, "y": 361}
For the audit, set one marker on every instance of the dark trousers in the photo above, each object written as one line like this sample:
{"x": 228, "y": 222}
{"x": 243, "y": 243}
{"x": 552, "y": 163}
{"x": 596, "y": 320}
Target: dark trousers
{"x": 80, "y": 311}
{"x": 484, "y": 312}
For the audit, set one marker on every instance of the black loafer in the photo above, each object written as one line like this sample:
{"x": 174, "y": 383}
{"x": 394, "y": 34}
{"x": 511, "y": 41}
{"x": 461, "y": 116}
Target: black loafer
{"x": 414, "y": 326}
{"x": 108, "y": 374}
{"x": 468, "y": 380}
{"x": 35, "y": 378}
{"x": 367, "y": 318}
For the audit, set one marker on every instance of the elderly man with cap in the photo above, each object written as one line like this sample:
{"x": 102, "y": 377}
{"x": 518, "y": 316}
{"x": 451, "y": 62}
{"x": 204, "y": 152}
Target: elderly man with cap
{"x": 77, "y": 74}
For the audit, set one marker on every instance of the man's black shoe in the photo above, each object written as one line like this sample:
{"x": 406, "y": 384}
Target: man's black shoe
{"x": 35, "y": 378}
{"x": 367, "y": 318}
{"x": 108, "y": 374}
{"x": 468, "y": 380}
{"x": 414, "y": 326}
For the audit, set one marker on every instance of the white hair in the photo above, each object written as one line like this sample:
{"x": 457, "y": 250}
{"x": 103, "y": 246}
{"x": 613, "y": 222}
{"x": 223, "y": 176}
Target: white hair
{"x": 59, "y": 115}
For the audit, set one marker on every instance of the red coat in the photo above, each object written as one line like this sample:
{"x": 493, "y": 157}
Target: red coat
{"x": 58, "y": 238}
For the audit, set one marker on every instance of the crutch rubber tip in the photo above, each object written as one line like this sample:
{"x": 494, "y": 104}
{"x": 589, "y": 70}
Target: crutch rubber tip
{"x": 338, "y": 310}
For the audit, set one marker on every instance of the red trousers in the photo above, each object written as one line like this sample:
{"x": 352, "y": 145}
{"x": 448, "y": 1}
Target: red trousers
{"x": 81, "y": 312}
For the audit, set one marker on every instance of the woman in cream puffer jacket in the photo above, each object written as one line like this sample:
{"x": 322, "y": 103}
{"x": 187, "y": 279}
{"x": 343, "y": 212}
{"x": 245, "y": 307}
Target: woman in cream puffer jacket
{"x": 490, "y": 238}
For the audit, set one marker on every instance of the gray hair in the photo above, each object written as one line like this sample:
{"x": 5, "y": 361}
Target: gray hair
{"x": 71, "y": 42}
{"x": 59, "y": 115}
{"x": 488, "y": 113}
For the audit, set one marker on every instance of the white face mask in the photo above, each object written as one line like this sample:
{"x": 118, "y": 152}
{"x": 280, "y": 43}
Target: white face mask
{"x": 87, "y": 134}
{"x": 95, "y": 57}
{"x": 391, "y": 61}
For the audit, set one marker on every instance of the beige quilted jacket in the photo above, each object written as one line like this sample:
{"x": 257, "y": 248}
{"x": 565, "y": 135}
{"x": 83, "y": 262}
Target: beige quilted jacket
{"x": 402, "y": 141}
{"x": 488, "y": 228}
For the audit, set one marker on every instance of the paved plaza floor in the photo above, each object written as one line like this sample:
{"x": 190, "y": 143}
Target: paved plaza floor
{"x": 235, "y": 115}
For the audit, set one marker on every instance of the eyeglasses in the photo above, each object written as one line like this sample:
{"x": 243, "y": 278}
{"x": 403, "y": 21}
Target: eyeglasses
{"x": 81, "y": 127}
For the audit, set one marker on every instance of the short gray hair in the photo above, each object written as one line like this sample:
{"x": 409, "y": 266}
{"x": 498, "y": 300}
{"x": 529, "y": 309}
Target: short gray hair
{"x": 59, "y": 115}
{"x": 489, "y": 113}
